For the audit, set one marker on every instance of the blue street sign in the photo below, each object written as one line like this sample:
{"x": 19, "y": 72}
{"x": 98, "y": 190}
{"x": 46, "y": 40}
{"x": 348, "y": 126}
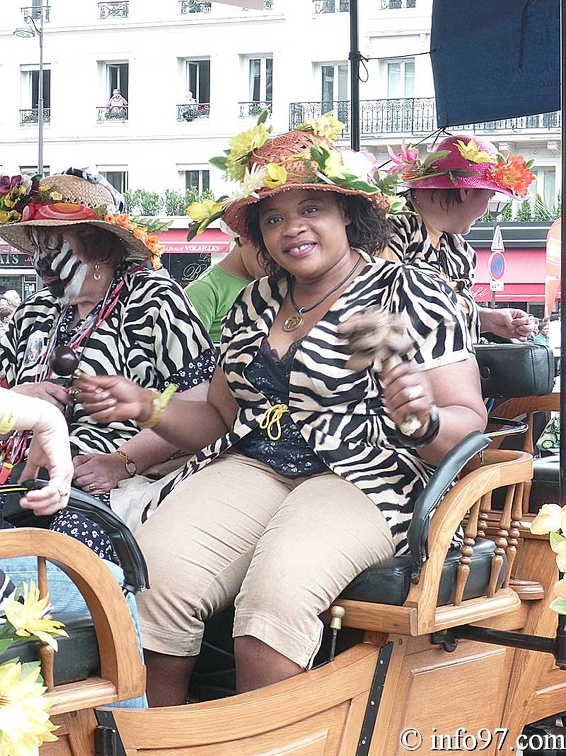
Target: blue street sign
{"x": 496, "y": 266}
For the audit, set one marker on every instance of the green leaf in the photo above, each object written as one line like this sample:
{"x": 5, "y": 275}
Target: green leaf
{"x": 263, "y": 116}
{"x": 218, "y": 162}
{"x": 555, "y": 541}
{"x": 4, "y": 644}
{"x": 434, "y": 157}
{"x": 558, "y": 605}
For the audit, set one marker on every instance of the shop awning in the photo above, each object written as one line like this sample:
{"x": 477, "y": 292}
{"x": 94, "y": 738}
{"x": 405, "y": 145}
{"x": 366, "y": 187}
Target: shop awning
{"x": 211, "y": 241}
{"x": 523, "y": 281}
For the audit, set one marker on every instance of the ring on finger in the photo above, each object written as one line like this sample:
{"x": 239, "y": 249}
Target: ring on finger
{"x": 91, "y": 487}
{"x": 415, "y": 393}
{"x": 73, "y": 393}
{"x": 410, "y": 425}
{"x": 62, "y": 493}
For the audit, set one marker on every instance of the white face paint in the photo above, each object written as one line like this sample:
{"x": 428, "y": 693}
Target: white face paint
{"x": 62, "y": 271}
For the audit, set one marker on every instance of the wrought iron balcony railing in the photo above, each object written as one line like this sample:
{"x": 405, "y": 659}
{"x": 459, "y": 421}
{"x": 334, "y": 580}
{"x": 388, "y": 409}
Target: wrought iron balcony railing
{"x": 253, "y": 109}
{"x": 193, "y": 6}
{"x": 32, "y": 116}
{"x": 112, "y": 113}
{"x": 114, "y": 9}
{"x": 34, "y": 11}
{"x": 413, "y": 115}
{"x": 330, "y": 6}
{"x": 397, "y": 4}
{"x": 267, "y": 5}
{"x": 191, "y": 111}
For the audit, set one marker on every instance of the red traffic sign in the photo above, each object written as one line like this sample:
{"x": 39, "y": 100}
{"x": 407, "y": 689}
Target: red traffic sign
{"x": 496, "y": 266}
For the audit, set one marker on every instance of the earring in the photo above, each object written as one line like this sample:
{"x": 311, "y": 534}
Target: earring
{"x": 96, "y": 274}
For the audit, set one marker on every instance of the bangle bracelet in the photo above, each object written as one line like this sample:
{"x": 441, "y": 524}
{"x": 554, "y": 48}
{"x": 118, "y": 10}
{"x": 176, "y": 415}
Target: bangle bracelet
{"x": 160, "y": 401}
{"x": 430, "y": 434}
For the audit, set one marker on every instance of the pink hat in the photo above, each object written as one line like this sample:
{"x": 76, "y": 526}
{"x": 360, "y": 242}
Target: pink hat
{"x": 464, "y": 162}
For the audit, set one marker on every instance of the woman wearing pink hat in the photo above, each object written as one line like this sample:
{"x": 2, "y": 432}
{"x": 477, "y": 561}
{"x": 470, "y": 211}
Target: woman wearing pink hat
{"x": 311, "y": 462}
{"x": 447, "y": 192}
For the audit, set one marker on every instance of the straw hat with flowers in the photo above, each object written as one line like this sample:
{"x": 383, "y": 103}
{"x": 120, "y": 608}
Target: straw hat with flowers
{"x": 305, "y": 158}
{"x": 70, "y": 199}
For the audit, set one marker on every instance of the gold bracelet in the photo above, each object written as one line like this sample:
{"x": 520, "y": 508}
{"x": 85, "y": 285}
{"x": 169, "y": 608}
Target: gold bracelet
{"x": 160, "y": 401}
{"x": 8, "y": 422}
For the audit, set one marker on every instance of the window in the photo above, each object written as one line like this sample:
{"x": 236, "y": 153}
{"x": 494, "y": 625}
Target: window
{"x": 198, "y": 79}
{"x": 334, "y": 84}
{"x": 400, "y": 78}
{"x": 30, "y": 94}
{"x": 545, "y": 186}
{"x": 36, "y": 9}
{"x": 260, "y": 76}
{"x": 118, "y": 179}
{"x": 197, "y": 179}
{"x": 117, "y": 75}
{"x": 31, "y": 170}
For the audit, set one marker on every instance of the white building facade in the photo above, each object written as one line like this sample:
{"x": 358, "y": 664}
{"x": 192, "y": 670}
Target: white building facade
{"x": 291, "y": 56}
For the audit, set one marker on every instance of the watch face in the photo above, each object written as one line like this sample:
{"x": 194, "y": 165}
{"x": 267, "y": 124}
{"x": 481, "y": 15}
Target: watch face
{"x": 131, "y": 468}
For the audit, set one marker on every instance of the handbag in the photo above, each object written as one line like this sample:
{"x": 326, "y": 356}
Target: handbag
{"x": 510, "y": 370}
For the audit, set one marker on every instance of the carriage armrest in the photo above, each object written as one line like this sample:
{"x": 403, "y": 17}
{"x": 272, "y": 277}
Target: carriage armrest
{"x": 131, "y": 558}
{"x": 440, "y": 482}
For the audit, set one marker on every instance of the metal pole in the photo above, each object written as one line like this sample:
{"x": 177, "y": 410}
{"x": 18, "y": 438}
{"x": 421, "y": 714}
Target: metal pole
{"x": 563, "y": 272}
{"x": 354, "y": 78}
{"x": 40, "y": 98}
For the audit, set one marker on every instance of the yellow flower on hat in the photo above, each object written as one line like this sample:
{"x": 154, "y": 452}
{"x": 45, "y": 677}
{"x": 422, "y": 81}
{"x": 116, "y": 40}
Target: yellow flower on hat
{"x": 24, "y": 717}
{"x": 9, "y": 216}
{"x": 472, "y": 153}
{"x": 275, "y": 175}
{"x": 29, "y": 618}
{"x": 55, "y": 196}
{"x": 241, "y": 146}
{"x": 333, "y": 165}
{"x": 203, "y": 211}
{"x": 326, "y": 126}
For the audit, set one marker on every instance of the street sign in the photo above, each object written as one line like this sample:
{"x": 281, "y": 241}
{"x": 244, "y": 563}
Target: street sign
{"x": 496, "y": 285}
{"x": 496, "y": 265}
{"x": 497, "y": 241}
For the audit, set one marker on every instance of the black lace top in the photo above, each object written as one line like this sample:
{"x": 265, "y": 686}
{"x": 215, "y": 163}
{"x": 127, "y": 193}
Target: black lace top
{"x": 290, "y": 455}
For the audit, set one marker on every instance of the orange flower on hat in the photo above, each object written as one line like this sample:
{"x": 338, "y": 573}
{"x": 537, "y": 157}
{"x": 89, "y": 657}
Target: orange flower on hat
{"x": 512, "y": 173}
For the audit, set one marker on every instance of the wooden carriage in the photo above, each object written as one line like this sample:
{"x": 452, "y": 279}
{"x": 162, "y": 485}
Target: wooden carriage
{"x": 440, "y": 647}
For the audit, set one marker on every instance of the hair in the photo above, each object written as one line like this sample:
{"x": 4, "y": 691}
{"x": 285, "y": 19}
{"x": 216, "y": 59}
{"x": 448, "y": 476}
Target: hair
{"x": 6, "y": 312}
{"x": 447, "y": 198}
{"x": 369, "y": 229}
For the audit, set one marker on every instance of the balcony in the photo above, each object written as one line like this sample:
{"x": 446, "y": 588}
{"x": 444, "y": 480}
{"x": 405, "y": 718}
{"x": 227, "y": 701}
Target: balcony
{"x": 193, "y": 6}
{"x": 253, "y": 109}
{"x": 414, "y": 115}
{"x": 112, "y": 114}
{"x": 114, "y": 9}
{"x": 32, "y": 116}
{"x": 330, "y": 6}
{"x": 192, "y": 111}
{"x": 398, "y": 4}
{"x": 34, "y": 11}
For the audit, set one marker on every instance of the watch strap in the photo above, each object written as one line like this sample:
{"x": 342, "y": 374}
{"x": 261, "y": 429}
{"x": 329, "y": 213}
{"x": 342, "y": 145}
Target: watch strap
{"x": 131, "y": 467}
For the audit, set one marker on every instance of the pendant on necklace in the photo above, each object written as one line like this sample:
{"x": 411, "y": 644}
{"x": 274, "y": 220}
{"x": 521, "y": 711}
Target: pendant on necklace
{"x": 293, "y": 322}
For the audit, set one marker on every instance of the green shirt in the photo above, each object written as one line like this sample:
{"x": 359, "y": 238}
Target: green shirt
{"x": 212, "y": 295}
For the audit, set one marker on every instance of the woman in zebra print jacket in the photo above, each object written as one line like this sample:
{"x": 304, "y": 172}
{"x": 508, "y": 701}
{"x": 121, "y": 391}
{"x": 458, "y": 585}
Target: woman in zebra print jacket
{"x": 448, "y": 192}
{"x": 310, "y": 466}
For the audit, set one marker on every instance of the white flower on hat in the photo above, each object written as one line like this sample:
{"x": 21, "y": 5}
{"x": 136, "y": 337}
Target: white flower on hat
{"x": 253, "y": 180}
{"x": 362, "y": 164}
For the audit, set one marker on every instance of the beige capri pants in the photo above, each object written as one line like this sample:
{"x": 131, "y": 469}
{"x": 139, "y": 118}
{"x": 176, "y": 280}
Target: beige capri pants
{"x": 281, "y": 548}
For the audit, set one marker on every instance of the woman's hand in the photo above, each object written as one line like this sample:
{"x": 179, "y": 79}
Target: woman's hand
{"x": 108, "y": 398}
{"x": 49, "y": 392}
{"x": 507, "y": 323}
{"x": 407, "y": 393}
{"x": 99, "y": 473}
{"x": 49, "y": 448}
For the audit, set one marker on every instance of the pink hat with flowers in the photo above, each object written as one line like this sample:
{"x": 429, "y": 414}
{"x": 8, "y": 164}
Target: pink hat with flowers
{"x": 463, "y": 162}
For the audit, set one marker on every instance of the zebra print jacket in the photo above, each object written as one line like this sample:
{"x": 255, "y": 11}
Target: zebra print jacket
{"x": 340, "y": 413}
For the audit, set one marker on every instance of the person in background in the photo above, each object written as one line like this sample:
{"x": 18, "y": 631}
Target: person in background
{"x": 535, "y": 325}
{"x": 542, "y": 336}
{"x": 214, "y": 291}
{"x": 117, "y": 106}
{"x": 5, "y": 317}
{"x": 13, "y": 298}
{"x": 446, "y": 195}
{"x": 314, "y": 461}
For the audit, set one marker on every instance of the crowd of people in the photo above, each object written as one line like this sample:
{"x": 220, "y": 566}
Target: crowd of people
{"x": 299, "y": 396}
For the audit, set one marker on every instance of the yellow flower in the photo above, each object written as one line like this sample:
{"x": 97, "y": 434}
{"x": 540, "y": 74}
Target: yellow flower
{"x": 550, "y": 519}
{"x": 30, "y": 618}
{"x": 472, "y": 153}
{"x": 9, "y": 216}
{"x": 326, "y": 126}
{"x": 333, "y": 165}
{"x": 24, "y": 717}
{"x": 203, "y": 211}
{"x": 560, "y": 588}
{"x": 275, "y": 175}
{"x": 241, "y": 146}
{"x": 55, "y": 196}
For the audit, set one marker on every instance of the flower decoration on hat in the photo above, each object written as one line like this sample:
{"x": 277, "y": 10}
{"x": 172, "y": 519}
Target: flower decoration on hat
{"x": 551, "y": 520}
{"x": 513, "y": 173}
{"x": 25, "y": 198}
{"x": 261, "y": 165}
